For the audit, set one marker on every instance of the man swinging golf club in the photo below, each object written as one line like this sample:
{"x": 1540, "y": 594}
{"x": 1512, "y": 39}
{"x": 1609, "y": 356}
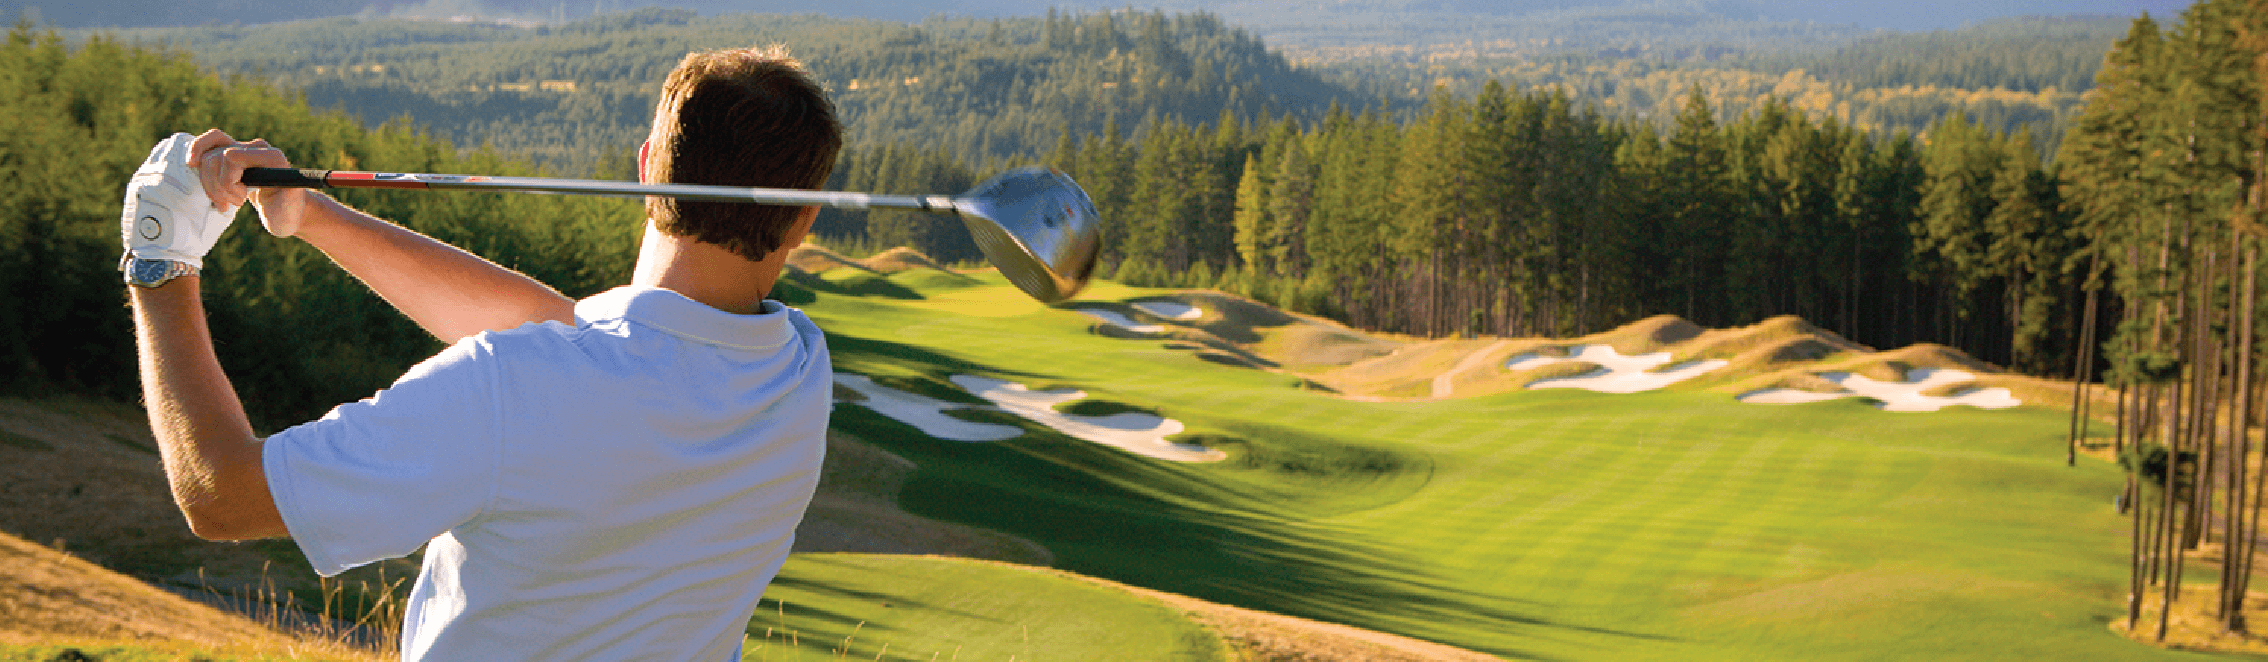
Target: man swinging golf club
{"x": 615, "y": 478}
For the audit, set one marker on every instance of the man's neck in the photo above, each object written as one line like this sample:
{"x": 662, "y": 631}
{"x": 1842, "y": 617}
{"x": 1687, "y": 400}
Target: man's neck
{"x": 705, "y": 272}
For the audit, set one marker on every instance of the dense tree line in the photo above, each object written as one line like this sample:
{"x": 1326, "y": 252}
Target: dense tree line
{"x": 2164, "y": 175}
{"x": 296, "y": 334}
{"x": 1520, "y": 212}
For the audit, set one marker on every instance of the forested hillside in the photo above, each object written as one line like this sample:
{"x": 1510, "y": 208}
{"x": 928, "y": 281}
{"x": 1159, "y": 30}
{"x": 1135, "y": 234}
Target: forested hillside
{"x": 2006, "y": 75}
{"x": 577, "y": 97}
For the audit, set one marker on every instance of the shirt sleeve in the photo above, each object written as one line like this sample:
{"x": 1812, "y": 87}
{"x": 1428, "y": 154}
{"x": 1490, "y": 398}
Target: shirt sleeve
{"x": 374, "y": 479}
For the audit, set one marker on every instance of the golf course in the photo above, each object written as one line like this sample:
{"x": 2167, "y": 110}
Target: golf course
{"x": 1675, "y": 523}
{"x": 1198, "y": 476}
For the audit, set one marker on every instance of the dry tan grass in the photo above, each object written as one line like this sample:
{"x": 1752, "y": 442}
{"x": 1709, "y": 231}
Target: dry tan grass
{"x": 900, "y": 259}
{"x": 2194, "y": 626}
{"x": 89, "y": 482}
{"x": 1653, "y": 334}
{"x": 97, "y": 490}
{"x": 48, "y": 597}
{"x": 1412, "y": 364}
{"x": 813, "y": 258}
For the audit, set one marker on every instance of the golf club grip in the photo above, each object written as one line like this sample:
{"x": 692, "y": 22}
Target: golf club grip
{"x": 286, "y": 178}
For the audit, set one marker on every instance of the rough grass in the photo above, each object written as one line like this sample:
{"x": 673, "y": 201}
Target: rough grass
{"x": 1664, "y": 525}
{"x": 54, "y": 606}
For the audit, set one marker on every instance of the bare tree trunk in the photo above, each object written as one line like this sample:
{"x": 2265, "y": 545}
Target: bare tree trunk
{"x": 2118, "y": 433}
{"x": 2083, "y": 372}
{"x": 2135, "y": 512}
{"x": 2250, "y": 530}
{"x": 2169, "y": 553}
{"x": 2204, "y": 395}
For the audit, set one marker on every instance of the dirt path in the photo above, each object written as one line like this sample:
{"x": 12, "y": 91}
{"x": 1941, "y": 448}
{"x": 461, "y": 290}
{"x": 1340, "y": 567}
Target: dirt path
{"x": 1443, "y": 384}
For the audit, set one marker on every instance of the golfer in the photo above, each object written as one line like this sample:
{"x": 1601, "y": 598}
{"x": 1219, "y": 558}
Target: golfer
{"x": 616, "y": 478}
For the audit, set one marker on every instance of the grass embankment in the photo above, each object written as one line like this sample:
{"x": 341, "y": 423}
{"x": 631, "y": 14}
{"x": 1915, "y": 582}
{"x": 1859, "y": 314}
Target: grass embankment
{"x": 55, "y": 606}
{"x": 1560, "y": 524}
{"x": 865, "y": 607}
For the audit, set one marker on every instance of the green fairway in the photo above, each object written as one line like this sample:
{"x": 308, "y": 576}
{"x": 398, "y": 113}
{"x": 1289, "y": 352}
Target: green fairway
{"x": 1557, "y": 524}
{"x": 852, "y": 606}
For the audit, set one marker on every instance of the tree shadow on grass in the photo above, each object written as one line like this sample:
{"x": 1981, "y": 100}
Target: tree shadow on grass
{"x": 865, "y": 355}
{"x": 1184, "y": 529}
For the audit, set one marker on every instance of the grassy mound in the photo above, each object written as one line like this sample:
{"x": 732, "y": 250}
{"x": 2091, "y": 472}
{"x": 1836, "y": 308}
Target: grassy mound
{"x": 812, "y": 258}
{"x": 902, "y": 259}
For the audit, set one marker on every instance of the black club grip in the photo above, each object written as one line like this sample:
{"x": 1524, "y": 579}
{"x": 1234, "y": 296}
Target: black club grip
{"x": 286, "y": 178}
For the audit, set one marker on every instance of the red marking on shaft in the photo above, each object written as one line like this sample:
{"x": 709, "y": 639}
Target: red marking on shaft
{"x": 371, "y": 180}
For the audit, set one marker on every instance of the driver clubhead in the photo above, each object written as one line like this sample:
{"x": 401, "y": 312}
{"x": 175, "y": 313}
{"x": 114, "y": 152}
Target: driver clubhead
{"x": 1038, "y": 227}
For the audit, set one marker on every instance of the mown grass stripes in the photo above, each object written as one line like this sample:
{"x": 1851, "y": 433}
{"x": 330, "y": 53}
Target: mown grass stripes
{"x": 1674, "y": 525}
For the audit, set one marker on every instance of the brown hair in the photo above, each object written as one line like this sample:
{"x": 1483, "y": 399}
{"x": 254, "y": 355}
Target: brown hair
{"x": 739, "y": 117}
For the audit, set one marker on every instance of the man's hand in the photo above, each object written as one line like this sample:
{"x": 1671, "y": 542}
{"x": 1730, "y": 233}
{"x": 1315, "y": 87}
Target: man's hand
{"x": 168, "y": 214}
{"x": 220, "y": 161}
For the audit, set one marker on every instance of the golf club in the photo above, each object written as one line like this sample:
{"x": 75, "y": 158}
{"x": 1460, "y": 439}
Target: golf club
{"x": 1035, "y": 224}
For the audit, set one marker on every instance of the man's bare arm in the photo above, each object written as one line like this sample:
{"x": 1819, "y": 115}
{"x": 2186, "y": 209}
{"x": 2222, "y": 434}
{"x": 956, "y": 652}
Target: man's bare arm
{"x": 212, "y": 459}
{"x": 448, "y": 291}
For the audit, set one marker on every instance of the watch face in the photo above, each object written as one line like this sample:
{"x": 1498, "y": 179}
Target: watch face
{"x": 150, "y": 272}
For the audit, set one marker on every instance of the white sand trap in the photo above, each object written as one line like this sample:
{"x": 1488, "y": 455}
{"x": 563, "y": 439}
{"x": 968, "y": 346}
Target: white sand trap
{"x": 1895, "y": 396}
{"x": 1171, "y": 310}
{"x": 1140, "y": 434}
{"x": 924, "y": 413}
{"x": 1120, "y": 321}
{"x": 1616, "y": 373}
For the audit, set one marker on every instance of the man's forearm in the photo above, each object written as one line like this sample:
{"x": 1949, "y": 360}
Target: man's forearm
{"x": 449, "y": 292}
{"x": 211, "y": 456}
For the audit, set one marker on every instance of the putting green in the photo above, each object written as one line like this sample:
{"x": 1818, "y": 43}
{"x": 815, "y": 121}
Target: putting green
{"x": 1540, "y": 523}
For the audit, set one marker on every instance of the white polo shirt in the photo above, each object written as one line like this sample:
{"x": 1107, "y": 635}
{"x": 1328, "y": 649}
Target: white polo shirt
{"x": 620, "y": 489}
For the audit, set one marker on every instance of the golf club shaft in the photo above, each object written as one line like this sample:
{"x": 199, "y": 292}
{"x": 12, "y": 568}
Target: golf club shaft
{"x": 309, "y": 178}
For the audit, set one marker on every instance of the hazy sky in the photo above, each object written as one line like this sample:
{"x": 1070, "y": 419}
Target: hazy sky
{"x": 1937, "y": 14}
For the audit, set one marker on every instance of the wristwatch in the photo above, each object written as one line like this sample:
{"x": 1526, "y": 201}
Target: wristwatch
{"x": 149, "y": 272}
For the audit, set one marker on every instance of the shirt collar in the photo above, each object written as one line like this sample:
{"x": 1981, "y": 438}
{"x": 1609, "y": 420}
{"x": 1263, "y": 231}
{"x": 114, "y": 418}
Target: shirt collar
{"x": 673, "y": 313}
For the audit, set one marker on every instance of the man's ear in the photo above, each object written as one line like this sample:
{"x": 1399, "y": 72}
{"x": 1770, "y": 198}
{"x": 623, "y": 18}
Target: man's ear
{"x": 643, "y": 145}
{"x": 802, "y": 226}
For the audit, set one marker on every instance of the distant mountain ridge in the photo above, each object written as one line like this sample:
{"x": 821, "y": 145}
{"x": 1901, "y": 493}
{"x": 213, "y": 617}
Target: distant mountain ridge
{"x": 1281, "y": 22}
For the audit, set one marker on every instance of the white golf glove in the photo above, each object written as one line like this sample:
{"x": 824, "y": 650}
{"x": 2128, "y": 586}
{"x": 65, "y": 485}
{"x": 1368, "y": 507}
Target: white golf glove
{"x": 168, "y": 216}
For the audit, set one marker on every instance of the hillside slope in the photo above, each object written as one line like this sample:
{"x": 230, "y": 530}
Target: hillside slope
{"x": 50, "y": 597}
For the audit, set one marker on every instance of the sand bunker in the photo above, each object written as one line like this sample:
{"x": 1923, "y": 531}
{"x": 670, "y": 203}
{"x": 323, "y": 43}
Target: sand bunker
{"x": 1895, "y": 396}
{"x": 1120, "y": 321}
{"x": 1616, "y": 373}
{"x": 1140, "y": 434}
{"x": 1171, "y": 310}
{"x": 924, "y": 413}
